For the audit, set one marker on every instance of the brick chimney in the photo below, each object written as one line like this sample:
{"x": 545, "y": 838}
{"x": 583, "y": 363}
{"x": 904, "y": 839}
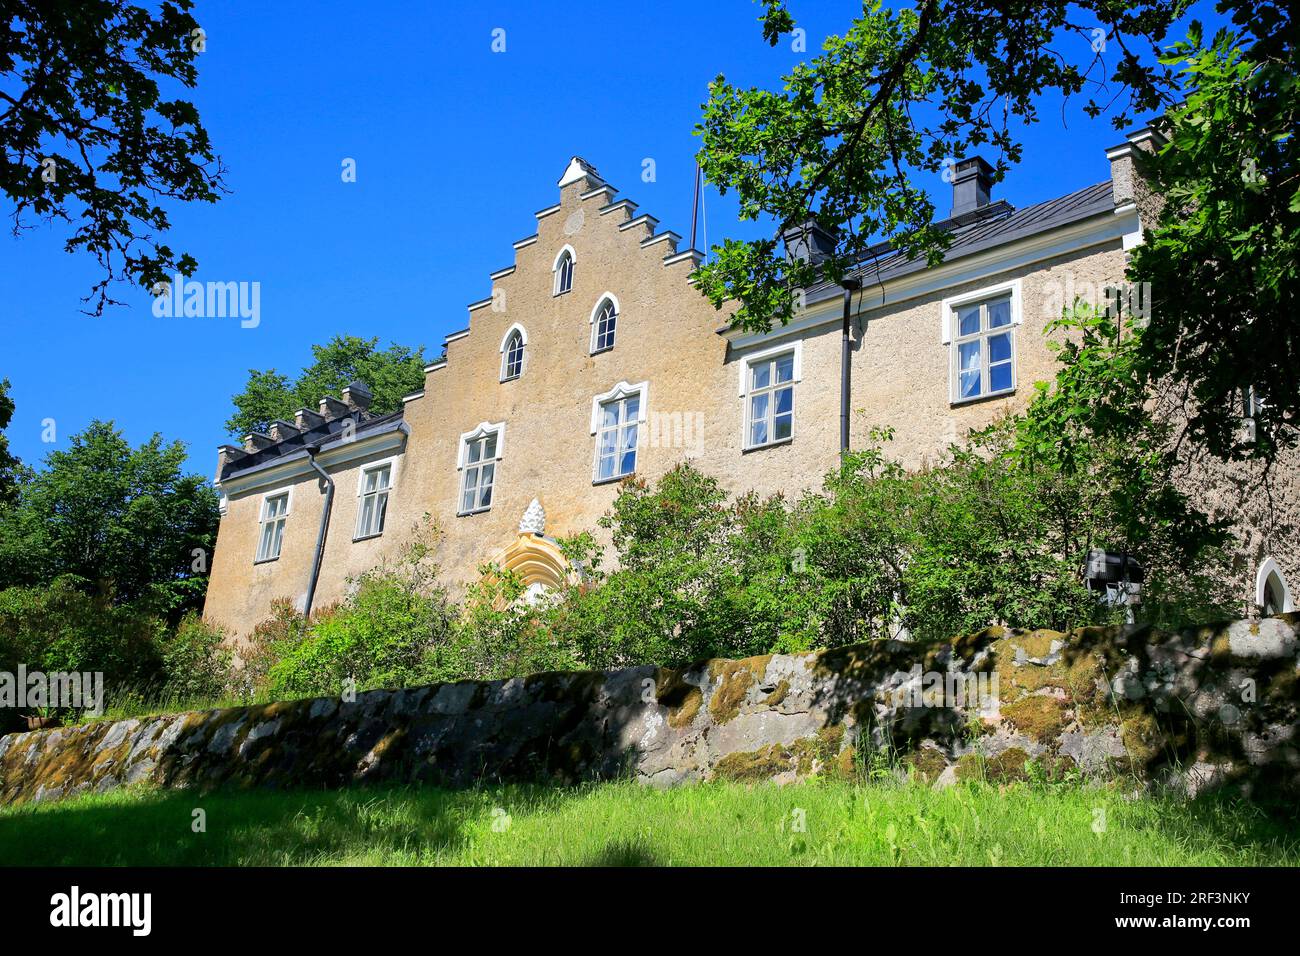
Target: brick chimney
{"x": 358, "y": 397}
{"x": 331, "y": 408}
{"x": 256, "y": 441}
{"x": 810, "y": 242}
{"x": 1127, "y": 184}
{"x": 305, "y": 420}
{"x": 281, "y": 430}
{"x": 228, "y": 455}
{"x": 972, "y": 184}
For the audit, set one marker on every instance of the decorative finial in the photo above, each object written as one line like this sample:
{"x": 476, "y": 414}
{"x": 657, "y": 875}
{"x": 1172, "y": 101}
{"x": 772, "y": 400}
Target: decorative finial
{"x": 534, "y": 519}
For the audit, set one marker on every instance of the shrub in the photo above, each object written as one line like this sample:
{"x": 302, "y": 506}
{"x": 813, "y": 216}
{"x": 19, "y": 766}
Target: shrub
{"x": 382, "y": 636}
{"x": 195, "y": 664}
{"x": 500, "y": 634}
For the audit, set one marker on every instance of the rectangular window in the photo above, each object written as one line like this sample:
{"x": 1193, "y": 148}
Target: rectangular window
{"x": 769, "y": 400}
{"x": 982, "y": 349}
{"x": 376, "y": 483}
{"x": 616, "y": 437}
{"x": 480, "y": 465}
{"x": 275, "y": 508}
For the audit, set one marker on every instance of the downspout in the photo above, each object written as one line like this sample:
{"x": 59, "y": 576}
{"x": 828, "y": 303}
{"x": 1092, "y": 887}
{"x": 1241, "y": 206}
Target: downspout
{"x": 320, "y": 535}
{"x": 846, "y": 347}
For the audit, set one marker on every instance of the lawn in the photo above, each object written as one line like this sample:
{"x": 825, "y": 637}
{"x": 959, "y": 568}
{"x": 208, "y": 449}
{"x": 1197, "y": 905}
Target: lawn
{"x": 625, "y": 824}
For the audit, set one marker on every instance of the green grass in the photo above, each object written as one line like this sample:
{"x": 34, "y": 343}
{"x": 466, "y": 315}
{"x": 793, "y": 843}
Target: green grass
{"x": 625, "y": 824}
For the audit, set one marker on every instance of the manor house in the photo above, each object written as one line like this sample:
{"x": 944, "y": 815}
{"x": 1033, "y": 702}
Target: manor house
{"x": 594, "y": 358}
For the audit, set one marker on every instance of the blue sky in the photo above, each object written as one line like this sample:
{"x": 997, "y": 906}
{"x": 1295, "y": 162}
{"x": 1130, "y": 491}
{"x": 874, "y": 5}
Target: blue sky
{"x": 455, "y": 147}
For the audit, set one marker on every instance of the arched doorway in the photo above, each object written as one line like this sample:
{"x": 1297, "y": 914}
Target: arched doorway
{"x": 1271, "y": 591}
{"x": 535, "y": 558}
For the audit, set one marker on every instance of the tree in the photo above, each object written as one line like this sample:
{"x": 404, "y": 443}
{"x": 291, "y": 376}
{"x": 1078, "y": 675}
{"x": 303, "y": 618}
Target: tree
{"x": 8, "y": 463}
{"x": 87, "y": 137}
{"x": 390, "y": 374}
{"x": 127, "y": 522}
{"x": 1221, "y": 262}
{"x": 902, "y": 92}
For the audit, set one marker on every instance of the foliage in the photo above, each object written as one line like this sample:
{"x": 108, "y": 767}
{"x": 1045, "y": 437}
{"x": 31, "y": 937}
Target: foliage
{"x": 678, "y": 593}
{"x": 9, "y": 465}
{"x": 59, "y": 627}
{"x": 381, "y": 636}
{"x": 127, "y": 522}
{"x": 390, "y": 374}
{"x": 902, "y": 91}
{"x": 1221, "y": 262}
{"x": 87, "y": 137}
{"x": 195, "y": 663}
{"x": 499, "y": 634}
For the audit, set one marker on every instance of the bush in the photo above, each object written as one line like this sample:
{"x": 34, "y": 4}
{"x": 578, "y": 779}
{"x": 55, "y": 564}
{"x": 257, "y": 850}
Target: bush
{"x": 501, "y": 633}
{"x": 383, "y": 635}
{"x": 144, "y": 662}
{"x": 195, "y": 664}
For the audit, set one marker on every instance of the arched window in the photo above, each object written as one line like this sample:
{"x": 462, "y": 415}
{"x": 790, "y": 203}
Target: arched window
{"x": 1271, "y": 591}
{"x": 512, "y": 352}
{"x": 563, "y": 270}
{"x": 604, "y": 323}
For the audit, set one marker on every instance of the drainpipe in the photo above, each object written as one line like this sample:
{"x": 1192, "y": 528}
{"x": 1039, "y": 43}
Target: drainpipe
{"x": 320, "y": 535}
{"x": 846, "y": 346}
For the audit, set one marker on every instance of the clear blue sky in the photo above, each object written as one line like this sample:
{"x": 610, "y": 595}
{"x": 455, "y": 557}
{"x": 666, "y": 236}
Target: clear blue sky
{"x": 456, "y": 147}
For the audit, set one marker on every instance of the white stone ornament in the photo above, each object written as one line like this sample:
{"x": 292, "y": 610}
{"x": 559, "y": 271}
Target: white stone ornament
{"x": 534, "y": 519}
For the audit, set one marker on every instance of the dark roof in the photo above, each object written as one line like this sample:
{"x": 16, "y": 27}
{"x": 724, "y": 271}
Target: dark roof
{"x": 990, "y": 226}
{"x": 313, "y": 438}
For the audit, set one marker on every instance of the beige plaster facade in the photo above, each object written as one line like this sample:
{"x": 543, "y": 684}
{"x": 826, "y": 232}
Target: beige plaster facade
{"x": 689, "y": 376}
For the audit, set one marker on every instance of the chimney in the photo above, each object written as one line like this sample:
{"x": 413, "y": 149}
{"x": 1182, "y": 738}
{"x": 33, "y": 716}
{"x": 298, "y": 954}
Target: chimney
{"x": 305, "y": 420}
{"x": 281, "y": 430}
{"x": 228, "y": 455}
{"x": 358, "y": 397}
{"x": 331, "y": 408}
{"x": 1126, "y": 181}
{"x": 972, "y": 181}
{"x": 810, "y": 242}
{"x": 256, "y": 441}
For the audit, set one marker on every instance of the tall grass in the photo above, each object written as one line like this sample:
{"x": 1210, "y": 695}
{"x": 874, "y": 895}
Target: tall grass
{"x": 817, "y": 823}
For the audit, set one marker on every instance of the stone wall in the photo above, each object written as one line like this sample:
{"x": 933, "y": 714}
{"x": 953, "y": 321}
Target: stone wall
{"x": 1201, "y": 708}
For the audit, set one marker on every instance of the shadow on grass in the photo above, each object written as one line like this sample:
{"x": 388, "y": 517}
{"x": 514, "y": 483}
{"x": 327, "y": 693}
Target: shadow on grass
{"x": 257, "y": 827}
{"x": 1269, "y": 828}
{"x": 624, "y": 853}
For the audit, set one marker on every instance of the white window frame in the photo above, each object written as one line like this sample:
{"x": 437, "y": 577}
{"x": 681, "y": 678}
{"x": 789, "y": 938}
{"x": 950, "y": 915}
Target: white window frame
{"x": 595, "y": 326}
{"x": 619, "y": 393}
{"x": 952, "y": 340}
{"x": 464, "y": 467}
{"x": 746, "y": 364}
{"x": 505, "y": 354}
{"x": 558, "y": 275}
{"x": 1267, "y": 569}
{"x": 262, "y": 520}
{"x": 391, "y": 464}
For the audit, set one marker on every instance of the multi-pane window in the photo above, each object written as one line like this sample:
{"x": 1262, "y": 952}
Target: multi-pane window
{"x": 564, "y": 273}
{"x": 770, "y": 400}
{"x": 375, "y": 486}
{"x": 983, "y": 348}
{"x": 605, "y": 323}
{"x": 616, "y": 437}
{"x": 479, "y": 472}
{"x": 512, "y": 365}
{"x": 275, "y": 509}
